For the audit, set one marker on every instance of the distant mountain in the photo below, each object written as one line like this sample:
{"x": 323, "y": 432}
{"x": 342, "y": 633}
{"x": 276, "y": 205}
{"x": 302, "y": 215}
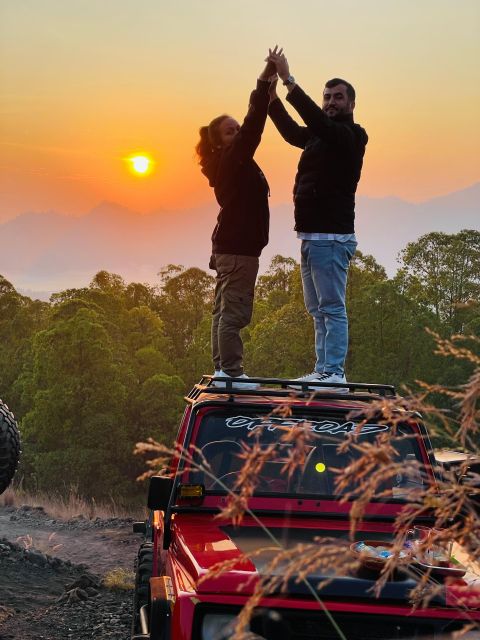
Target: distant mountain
{"x": 49, "y": 251}
{"x": 386, "y": 225}
{"x": 28, "y": 237}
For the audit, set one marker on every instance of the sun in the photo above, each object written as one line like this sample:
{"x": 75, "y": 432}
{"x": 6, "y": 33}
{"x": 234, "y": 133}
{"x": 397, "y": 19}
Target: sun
{"x": 140, "y": 164}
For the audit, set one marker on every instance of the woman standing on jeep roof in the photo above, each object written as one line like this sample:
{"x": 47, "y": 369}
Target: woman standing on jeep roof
{"x": 226, "y": 152}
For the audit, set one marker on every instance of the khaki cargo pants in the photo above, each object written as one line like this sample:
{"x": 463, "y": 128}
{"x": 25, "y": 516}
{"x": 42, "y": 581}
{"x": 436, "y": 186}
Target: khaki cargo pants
{"x": 232, "y": 309}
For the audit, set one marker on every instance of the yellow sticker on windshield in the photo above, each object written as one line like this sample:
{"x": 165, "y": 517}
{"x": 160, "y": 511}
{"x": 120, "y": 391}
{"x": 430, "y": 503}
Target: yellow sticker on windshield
{"x": 320, "y": 467}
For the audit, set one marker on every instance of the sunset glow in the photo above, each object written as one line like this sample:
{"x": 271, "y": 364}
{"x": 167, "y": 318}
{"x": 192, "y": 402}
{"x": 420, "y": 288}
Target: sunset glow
{"x": 141, "y": 165}
{"x": 125, "y": 130}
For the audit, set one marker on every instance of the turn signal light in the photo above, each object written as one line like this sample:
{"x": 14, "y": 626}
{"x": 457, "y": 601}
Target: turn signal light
{"x": 191, "y": 491}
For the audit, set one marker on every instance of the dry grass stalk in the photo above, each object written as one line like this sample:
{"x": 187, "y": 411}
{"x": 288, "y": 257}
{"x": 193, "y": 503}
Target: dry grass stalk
{"x": 157, "y": 464}
{"x": 48, "y": 546}
{"x": 447, "y": 347}
{"x": 8, "y": 497}
{"x": 450, "y": 503}
{"x": 6, "y": 613}
{"x": 62, "y": 507}
{"x": 119, "y": 580}
{"x": 458, "y": 635}
{"x": 255, "y": 457}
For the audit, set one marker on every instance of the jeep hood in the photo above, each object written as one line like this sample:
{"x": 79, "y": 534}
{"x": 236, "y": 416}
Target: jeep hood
{"x": 202, "y": 543}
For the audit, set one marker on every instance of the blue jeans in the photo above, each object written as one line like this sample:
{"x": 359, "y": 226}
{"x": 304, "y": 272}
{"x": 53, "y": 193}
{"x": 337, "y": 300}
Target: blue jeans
{"x": 324, "y": 268}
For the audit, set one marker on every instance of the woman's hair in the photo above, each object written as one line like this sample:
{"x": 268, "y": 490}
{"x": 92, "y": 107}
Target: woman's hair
{"x": 210, "y": 139}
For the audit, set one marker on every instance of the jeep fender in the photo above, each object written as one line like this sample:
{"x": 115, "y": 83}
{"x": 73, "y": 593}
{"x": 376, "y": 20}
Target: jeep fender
{"x": 161, "y": 604}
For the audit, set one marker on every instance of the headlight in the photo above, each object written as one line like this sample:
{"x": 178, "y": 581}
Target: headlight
{"x": 218, "y": 626}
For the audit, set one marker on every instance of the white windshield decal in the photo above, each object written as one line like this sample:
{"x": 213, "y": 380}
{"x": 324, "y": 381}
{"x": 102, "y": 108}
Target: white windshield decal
{"x": 322, "y": 426}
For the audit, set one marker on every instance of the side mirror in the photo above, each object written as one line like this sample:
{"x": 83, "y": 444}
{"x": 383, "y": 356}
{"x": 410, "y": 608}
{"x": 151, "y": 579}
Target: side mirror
{"x": 159, "y": 492}
{"x": 451, "y": 461}
{"x": 468, "y": 474}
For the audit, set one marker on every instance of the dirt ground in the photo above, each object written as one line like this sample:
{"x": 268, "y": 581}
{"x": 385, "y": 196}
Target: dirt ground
{"x": 51, "y": 575}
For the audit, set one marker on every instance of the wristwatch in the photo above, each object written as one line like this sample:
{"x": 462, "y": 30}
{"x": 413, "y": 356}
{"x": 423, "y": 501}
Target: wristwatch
{"x": 289, "y": 80}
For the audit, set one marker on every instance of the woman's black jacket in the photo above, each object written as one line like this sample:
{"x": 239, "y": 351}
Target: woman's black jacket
{"x": 240, "y": 187}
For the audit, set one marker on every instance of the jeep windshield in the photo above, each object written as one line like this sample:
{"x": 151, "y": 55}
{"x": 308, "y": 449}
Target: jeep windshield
{"x": 222, "y": 435}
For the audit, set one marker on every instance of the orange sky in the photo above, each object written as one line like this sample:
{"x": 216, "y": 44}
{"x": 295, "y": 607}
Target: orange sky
{"x": 86, "y": 84}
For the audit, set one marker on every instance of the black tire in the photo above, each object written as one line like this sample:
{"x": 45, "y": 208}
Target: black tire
{"x": 9, "y": 446}
{"x": 143, "y": 573}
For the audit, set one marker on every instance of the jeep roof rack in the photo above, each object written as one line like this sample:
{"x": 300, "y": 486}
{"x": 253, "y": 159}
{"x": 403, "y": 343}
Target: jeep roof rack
{"x": 283, "y": 388}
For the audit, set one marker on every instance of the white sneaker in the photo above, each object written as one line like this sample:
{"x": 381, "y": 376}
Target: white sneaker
{"x": 235, "y": 385}
{"x": 315, "y": 376}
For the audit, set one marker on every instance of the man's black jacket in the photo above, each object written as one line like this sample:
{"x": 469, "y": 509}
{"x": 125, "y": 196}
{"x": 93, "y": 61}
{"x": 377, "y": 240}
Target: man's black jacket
{"x": 329, "y": 167}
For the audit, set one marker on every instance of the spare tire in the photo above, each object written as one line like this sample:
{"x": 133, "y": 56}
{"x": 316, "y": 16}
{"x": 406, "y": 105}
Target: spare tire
{"x": 9, "y": 446}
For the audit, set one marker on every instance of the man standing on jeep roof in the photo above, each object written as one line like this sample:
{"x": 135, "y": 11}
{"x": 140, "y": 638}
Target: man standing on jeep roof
{"x": 324, "y": 196}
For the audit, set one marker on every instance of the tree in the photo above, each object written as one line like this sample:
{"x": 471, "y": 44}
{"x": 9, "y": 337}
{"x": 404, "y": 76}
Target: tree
{"x": 198, "y": 359}
{"x": 186, "y": 296}
{"x": 6, "y": 287}
{"x": 159, "y": 405}
{"x": 138, "y": 294}
{"x": 275, "y": 285}
{"x": 442, "y": 272}
{"x": 364, "y": 271}
{"x": 97, "y": 376}
{"x": 144, "y": 328}
{"x": 280, "y": 343}
{"x": 20, "y": 318}
{"x": 388, "y": 340}
{"x": 106, "y": 281}
{"x": 77, "y": 415}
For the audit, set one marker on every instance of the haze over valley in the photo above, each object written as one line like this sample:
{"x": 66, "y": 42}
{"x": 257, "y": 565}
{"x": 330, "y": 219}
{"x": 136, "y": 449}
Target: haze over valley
{"x": 44, "y": 252}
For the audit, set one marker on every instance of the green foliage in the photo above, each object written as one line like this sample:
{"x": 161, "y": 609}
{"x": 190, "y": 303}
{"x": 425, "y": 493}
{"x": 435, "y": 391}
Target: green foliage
{"x": 198, "y": 357}
{"x": 388, "y": 341}
{"x": 97, "y": 378}
{"x": 102, "y": 367}
{"x": 186, "y": 296}
{"x": 158, "y": 407}
{"x": 281, "y": 345}
{"x": 20, "y": 318}
{"x": 82, "y": 468}
{"x": 78, "y": 401}
{"x": 147, "y": 361}
{"x": 108, "y": 282}
{"x": 442, "y": 272}
{"x": 275, "y": 286}
{"x": 145, "y": 329}
{"x": 280, "y": 340}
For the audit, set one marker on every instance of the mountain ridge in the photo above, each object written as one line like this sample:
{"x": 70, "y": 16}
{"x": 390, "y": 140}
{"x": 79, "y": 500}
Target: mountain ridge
{"x": 48, "y": 251}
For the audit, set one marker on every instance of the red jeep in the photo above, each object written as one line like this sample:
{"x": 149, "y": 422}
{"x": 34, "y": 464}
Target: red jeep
{"x": 176, "y": 598}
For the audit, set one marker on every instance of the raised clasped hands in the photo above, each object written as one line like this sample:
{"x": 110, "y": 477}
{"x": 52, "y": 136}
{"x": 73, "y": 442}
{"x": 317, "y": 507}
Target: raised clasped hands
{"x": 278, "y": 59}
{"x": 270, "y": 70}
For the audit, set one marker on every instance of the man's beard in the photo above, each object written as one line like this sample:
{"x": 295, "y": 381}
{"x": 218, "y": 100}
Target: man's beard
{"x": 337, "y": 113}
